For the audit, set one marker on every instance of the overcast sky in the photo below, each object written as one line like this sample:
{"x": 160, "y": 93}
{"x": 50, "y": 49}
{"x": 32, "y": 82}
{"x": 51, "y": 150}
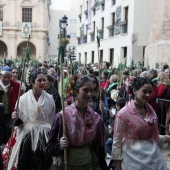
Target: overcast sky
{"x": 60, "y": 5}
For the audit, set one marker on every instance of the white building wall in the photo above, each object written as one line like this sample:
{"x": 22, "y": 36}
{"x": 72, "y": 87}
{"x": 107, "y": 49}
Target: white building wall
{"x": 135, "y": 39}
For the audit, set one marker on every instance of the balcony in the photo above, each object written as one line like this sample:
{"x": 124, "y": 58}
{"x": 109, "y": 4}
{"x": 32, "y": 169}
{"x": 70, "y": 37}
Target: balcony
{"x": 111, "y": 30}
{"x": 102, "y": 1}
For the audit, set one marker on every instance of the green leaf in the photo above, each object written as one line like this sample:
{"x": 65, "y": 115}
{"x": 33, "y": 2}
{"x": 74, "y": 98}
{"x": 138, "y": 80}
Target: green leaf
{"x": 27, "y": 54}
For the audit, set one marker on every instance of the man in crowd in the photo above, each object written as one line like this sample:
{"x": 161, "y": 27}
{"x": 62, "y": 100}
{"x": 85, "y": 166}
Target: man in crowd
{"x": 8, "y": 96}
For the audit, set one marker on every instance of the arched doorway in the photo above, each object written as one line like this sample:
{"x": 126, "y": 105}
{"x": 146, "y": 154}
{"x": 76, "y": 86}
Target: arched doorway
{"x": 3, "y": 49}
{"x": 22, "y": 46}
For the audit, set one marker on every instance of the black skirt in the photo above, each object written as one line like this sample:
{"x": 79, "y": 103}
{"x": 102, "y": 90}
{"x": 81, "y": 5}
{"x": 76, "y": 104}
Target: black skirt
{"x": 39, "y": 159}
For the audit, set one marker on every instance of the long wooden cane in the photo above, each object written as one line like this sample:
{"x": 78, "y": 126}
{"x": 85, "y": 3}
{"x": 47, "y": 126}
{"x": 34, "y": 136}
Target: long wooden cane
{"x": 19, "y": 94}
{"x": 62, "y": 102}
{"x": 100, "y": 93}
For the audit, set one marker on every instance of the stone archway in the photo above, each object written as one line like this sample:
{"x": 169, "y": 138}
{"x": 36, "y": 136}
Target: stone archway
{"x": 3, "y": 49}
{"x": 22, "y": 46}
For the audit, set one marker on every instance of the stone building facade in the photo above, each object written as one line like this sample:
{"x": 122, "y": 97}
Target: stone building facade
{"x": 158, "y": 50}
{"x": 20, "y": 18}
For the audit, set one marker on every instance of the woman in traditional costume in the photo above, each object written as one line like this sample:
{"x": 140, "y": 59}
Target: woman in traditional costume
{"x": 85, "y": 132}
{"x": 136, "y": 136}
{"x": 35, "y": 114}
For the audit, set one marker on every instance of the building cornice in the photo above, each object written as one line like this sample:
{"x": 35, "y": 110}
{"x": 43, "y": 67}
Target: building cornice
{"x": 84, "y": 35}
{"x": 102, "y": 2}
{"x": 110, "y": 26}
{"x": 93, "y": 7}
{"x": 86, "y": 11}
{"x": 92, "y": 32}
{"x": 122, "y": 22}
{"x": 27, "y": 4}
{"x": 100, "y": 30}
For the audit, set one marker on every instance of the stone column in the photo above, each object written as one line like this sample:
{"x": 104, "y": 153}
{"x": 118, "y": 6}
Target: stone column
{"x": 158, "y": 50}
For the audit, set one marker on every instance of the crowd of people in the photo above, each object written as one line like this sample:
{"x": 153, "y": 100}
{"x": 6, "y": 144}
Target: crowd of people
{"x": 116, "y": 114}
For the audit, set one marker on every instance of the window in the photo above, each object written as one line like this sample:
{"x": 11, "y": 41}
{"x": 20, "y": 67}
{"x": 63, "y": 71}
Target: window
{"x": 80, "y": 31}
{"x": 101, "y": 56}
{"x": 113, "y": 2}
{"x": 113, "y": 19}
{"x": 72, "y": 34}
{"x": 86, "y": 30}
{"x": 79, "y": 40}
{"x": 102, "y": 28}
{"x": 26, "y": 14}
{"x": 124, "y": 25}
{"x": 124, "y": 54}
{"x": 92, "y": 57}
{"x": 111, "y": 29}
{"x": 80, "y": 9}
{"x": 92, "y": 37}
{"x": 86, "y": 14}
{"x": 126, "y": 13}
{"x": 85, "y": 54}
{"x": 103, "y": 6}
{"x": 1, "y": 13}
{"x": 87, "y": 5}
{"x": 85, "y": 36}
{"x": 73, "y": 21}
{"x": 94, "y": 25}
{"x": 111, "y": 56}
{"x": 80, "y": 17}
{"x": 93, "y": 34}
{"x": 86, "y": 11}
{"x": 94, "y": 11}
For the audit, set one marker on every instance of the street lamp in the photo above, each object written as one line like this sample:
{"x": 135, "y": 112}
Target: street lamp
{"x": 64, "y": 22}
{"x": 63, "y": 43}
{"x": 64, "y": 25}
